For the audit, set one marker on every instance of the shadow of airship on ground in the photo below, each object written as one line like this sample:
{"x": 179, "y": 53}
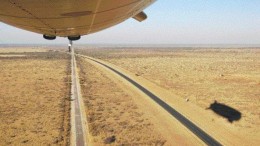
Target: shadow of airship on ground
{"x": 225, "y": 111}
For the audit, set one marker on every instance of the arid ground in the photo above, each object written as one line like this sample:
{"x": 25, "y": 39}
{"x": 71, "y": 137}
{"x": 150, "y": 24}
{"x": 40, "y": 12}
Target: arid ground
{"x": 217, "y": 89}
{"x": 111, "y": 112}
{"x": 119, "y": 115}
{"x": 34, "y": 97}
{"x": 223, "y": 82}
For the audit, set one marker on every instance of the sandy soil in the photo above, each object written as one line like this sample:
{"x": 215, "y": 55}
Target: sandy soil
{"x": 34, "y": 93}
{"x": 229, "y": 76}
{"x": 115, "y": 110}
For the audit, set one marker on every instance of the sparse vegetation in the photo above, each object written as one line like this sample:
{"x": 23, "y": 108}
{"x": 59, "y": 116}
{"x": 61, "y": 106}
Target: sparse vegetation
{"x": 35, "y": 90}
{"x": 34, "y": 98}
{"x": 230, "y": 76}
{"x": 112, "y": 114}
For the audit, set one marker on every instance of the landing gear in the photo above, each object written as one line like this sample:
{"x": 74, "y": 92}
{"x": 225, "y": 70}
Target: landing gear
{"x": 49, "y": 37}
{"x": 72, "y": 38}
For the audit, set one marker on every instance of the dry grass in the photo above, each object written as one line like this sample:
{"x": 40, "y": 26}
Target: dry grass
{"x": 34, "y": 93}
{"x": 113, "y": 116}
{"x": 230, "y": 76}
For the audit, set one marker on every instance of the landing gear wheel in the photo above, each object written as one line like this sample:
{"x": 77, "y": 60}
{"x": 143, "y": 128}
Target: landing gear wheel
{"x": 74, "y": 38}
{"x": 49, "y": 37}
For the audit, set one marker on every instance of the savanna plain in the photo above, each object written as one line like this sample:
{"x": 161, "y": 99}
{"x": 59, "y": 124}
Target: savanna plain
{"x": 216, "y": 88}
{"x": 223, "y": 83}
{"x": 34, "y": 97}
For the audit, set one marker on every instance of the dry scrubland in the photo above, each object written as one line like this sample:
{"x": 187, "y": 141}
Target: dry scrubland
{"x": 112, "y": 114}
{"x": 34, "y": 93}
{"x": 229, "y": 76}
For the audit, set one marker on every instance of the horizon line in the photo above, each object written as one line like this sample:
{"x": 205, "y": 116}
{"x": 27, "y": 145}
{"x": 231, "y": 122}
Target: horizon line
{"x": 134, "y": 45}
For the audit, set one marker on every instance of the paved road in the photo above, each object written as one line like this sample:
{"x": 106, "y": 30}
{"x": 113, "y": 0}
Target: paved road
{"x": 78, "y": 128}
{"x": 207, "y": 139}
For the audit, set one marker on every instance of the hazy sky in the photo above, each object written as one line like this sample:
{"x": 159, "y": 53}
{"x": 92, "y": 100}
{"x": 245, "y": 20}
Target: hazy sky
{"x": 172, "y": 22}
